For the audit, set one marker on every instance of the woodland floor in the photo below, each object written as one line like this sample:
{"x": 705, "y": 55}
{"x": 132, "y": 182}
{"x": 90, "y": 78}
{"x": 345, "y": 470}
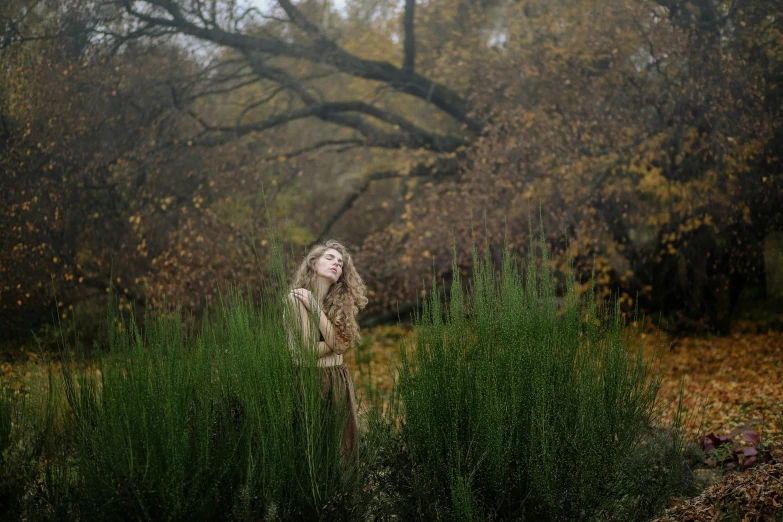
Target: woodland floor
{"x": 728, "y": 383}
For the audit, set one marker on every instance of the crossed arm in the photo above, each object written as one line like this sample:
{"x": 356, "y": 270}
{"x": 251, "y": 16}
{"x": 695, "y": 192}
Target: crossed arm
{"x": 304, "y": 302}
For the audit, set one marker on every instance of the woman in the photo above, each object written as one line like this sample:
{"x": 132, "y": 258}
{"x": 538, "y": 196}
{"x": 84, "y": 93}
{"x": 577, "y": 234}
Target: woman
{"x": 327, "y": 284}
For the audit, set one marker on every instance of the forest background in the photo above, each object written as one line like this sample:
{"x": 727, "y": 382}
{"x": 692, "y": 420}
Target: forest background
{"x": 147, "y": 147}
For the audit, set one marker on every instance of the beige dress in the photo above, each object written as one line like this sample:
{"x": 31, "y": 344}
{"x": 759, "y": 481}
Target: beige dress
{"x": 338, "y": 394}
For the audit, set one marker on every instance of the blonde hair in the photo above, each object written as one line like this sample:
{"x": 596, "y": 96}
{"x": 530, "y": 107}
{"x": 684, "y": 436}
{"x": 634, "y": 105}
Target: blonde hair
{"x": 345, "y": 297}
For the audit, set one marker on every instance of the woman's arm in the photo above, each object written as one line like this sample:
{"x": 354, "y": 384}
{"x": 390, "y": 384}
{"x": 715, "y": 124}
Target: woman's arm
{"x": 304, "y": 315}
{"x": 330, "y": 335}
{"x": 323, "y": 349}
{"x": 325, "y": 326}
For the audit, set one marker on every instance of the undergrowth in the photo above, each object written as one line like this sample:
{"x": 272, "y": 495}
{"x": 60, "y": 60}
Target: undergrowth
{"x": 508, "y": 406}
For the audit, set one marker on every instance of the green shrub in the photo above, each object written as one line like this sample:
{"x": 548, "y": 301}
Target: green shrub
{"x": 513, "y": 407}
{"x": 6, "y": 413}
{"x": 508, "y": 406}
{"x": 16, "y": 460}
{"x": 31, "y": 438}
{"x": 221, "y": 424}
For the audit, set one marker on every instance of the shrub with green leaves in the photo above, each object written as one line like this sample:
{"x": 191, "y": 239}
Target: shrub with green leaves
{"x": 514, "y": 406}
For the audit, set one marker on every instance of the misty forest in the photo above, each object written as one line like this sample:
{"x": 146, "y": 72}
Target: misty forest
{"x": 567, "y": 216}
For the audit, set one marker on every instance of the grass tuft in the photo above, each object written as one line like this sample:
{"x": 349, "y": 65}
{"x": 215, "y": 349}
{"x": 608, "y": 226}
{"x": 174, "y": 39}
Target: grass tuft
{"x": 515, "y": 406}
{"x": 514, "y": 401}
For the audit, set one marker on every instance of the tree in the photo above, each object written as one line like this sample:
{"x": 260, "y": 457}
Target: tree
{"x": 645, "y": 130}
{"x": 79, "y": 127}
{"x": 642, "y": 131}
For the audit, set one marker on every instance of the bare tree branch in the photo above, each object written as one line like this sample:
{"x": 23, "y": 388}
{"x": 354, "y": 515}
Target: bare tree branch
{"x": 444, "y": 167}
{"x": 416, "y": 136}
{"x": 14, "y": 30}
{"x": 301, "y": 20}
{"x": 323, "y": 50}
{"x": 409, "y": 58}
{"x": 317, "y": 146}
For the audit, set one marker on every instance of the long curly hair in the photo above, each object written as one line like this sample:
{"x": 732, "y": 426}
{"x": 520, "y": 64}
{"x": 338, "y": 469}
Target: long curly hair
{"x": 345, "y": 297}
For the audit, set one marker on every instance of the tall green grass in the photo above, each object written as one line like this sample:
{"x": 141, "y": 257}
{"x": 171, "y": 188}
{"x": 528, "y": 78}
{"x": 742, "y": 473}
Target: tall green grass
{"x": 31, "y": 435}
{"x": 513, "y": 406}
{"x": 223, "y": 423}
{"x": 508, "y": 406}
{"x": 9, "y": 487}
{"x": 6, "y": 414}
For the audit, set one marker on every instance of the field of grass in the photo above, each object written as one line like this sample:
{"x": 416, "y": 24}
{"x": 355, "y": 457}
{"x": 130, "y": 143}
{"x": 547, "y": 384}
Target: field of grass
{"x": 729, "y": 383}
{"x": 504, "y": 404}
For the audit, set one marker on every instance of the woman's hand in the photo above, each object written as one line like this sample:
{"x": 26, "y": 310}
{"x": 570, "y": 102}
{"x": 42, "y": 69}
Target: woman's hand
{"x": 304, "y": 295}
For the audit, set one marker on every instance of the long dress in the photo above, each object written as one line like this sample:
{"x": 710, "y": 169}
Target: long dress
{"x": 339, "y": 395}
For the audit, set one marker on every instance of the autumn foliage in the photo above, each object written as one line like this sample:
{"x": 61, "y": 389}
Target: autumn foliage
{"x": 147, "y": 145}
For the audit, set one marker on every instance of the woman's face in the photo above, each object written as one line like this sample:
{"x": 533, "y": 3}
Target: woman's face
{"x": 330, "y": 265}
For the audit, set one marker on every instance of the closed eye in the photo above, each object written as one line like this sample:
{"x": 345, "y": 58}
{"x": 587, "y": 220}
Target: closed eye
{"x": 330, "y": 257}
